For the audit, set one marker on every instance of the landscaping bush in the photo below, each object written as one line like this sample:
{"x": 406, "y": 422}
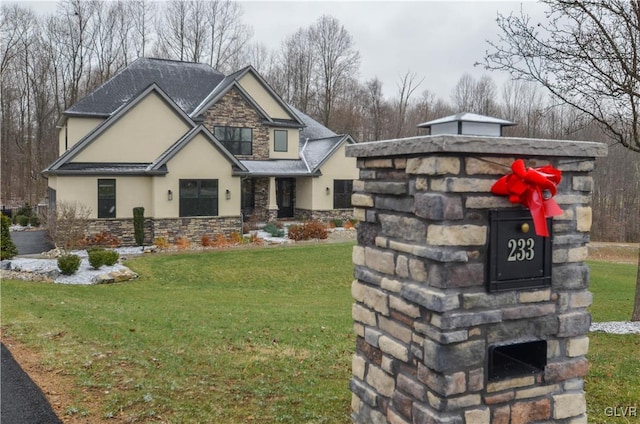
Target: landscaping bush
{"x": 182, "y": 243}
{"x": 96, "y": 257}
{"x": 308, "y": 230}
{"x": 336, "y": 223}
{"x": 100, "y": 239}
{"x": 68, "y": 264}
{"x": 161, "y": 243}
{"x": 22, "y": 220}
{"x": 34, "y": 221}
{"x": 205, "y": 241}
{"x": 99, "y": 256}
{"x": 67, "y": 229}
{"x": 110, "y": 257}
{"x": 273, "y": 230}
{"x": 8, "y": 248}
{"x": 138, "y": 225}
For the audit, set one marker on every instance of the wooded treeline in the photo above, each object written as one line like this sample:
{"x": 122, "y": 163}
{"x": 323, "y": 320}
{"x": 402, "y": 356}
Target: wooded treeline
{"x": 50, "y": 61}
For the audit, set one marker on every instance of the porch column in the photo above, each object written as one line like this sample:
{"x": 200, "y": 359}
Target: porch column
{"x": 272, "y": 203}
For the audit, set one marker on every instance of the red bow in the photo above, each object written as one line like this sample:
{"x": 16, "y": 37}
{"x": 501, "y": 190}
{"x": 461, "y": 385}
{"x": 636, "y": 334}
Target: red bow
{"x": 534, "y": 188}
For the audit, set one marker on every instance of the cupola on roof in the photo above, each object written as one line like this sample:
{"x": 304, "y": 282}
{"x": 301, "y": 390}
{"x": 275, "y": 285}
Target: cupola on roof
{"x": 467, "y": 124}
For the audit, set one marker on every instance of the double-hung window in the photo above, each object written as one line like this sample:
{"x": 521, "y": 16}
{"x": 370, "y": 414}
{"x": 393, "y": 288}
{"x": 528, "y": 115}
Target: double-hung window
{"x": 237, "y": 140}
{"x": 342, "y": 193}
{"x": 106, "y": 198}
{"x": 198, "y": 198}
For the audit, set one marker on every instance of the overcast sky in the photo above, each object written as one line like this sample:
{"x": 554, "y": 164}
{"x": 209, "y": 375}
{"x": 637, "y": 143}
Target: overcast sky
{"x": 437, "y": 40}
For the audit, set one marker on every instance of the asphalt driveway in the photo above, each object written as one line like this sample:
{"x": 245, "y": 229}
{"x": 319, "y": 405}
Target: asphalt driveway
{"x": 31, "y": 242}
{"x": 21, "y": 401}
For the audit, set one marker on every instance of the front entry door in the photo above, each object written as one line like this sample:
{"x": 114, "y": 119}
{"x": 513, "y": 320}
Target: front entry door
{"x": 284, "y": 196}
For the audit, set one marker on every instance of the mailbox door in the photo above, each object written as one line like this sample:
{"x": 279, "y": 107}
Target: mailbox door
{"x": 519, "y": 259}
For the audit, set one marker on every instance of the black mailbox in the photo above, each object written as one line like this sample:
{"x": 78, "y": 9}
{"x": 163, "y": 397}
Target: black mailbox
{"x": 519, "y": 259}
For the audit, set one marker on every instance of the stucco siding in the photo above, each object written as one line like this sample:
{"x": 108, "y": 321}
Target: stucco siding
{"x": 141, "y": 135}
{"x": 337, "y": 167}
{"x": 130, "y": 192}
{"x": 293, "y": 144}
{"x": 266, "y": 101}
{"x": 73, "y": 130}
{"x": 199, "y": 159}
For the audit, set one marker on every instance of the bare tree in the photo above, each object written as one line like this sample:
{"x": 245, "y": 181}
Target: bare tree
{"x": 337, "y": 60}
{"x": 587, "y": 54}
{"x": 406, "y": 86}
{"x": 172, "y": 31}
{"x": 474, "y": 96}
{"x": 142, "y": 13}
{"x": 375, "y": 109}
{"x": 228, "y": 36}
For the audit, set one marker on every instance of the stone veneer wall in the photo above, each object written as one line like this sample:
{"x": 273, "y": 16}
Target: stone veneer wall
{"x": 170, "y": 228}
{"x": 323, "y": 215}
{"x": 233, "y": 110}
{"x": 422, "y": 315}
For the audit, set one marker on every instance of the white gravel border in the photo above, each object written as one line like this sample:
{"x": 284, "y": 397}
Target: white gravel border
{"x": 616, "y": 327}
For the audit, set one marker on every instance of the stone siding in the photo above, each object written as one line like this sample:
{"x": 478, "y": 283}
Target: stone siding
{"x": 233, "y": 110}
{"x": 323, "y": 215}
{"x": 423, "y": 317}
{"x": 169, "y": 228}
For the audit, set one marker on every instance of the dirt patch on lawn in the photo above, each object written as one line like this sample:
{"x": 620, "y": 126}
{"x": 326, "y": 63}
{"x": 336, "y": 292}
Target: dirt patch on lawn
{"x": 58, "y": 388}
{"x": 614, "y": 252}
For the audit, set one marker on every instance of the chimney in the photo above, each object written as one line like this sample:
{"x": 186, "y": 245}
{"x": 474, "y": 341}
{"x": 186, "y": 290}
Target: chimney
{"x": 467, "y": 124}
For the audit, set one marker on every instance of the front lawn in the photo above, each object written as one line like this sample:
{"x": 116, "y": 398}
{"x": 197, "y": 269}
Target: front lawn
{"x": 236, "y": 336}
{"x": 229, "y": 336}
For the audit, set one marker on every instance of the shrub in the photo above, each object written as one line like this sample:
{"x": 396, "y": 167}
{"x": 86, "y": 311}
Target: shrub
{"x": 22, "y": 220}
{"x": 336, "y": 223}
{"x": 273, "y": 230}
{"x": 67, "y": 229}
{"x": 96, "y": 257}
{"x": 350, "y": 223}
{"x": 308, "y": 230}
{"x": 110, "y": 257}
{"x": 182, "y": 243}
{"x": 220, "y": 240}
{"x": 316, "y": 230}
{"x": 100, "y": 239}
{"x": 138, "y": 225}
{"x": 34, "y": 221}
{"x": 205, "y": 241}
{"x": 161, "y": 243}
{"x": 25, "y": 210}
{"x": 236, "y": 238}
{"x": 8, "y": 248}
{"x": 68, "y": 264}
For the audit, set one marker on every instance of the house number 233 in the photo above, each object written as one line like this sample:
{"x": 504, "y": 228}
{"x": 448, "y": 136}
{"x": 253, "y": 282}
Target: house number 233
{"x": 521, "y": 249}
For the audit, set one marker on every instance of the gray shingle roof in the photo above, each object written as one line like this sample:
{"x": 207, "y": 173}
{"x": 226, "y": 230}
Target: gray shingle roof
{"x": 277, "y": 167}
{"x": 107, "y": 168}
{"x": 186, "y": 83}
{"x": 313, "y": 129}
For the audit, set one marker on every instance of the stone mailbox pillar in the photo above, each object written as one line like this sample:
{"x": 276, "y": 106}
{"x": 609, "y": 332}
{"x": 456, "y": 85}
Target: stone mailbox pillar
{"x": 446, "y": 333}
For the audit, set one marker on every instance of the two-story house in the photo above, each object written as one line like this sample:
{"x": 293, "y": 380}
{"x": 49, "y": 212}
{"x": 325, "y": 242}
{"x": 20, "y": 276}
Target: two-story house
{"x": 200, "y": 151}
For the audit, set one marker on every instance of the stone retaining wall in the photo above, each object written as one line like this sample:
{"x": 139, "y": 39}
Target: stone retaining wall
{"x": 423, "y": 317}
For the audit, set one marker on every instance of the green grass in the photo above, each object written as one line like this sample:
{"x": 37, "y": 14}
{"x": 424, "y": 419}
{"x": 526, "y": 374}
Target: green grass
{"x": 613, "y": 288}
{"x": 236, "y": 336}
{"x": 228, "y": 336}
{"x": 614, "y": 375}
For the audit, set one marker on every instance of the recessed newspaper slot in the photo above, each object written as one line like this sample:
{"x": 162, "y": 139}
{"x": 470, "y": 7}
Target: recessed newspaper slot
{"x": 518, "y": 359}
{"x": 519, "y": 259}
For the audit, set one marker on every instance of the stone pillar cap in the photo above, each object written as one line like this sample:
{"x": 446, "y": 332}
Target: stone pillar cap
{"x": 477, "y": 144}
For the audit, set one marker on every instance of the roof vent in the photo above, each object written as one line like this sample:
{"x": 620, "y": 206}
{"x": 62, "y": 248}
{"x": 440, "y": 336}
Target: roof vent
{"x": 467, "y": 124}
